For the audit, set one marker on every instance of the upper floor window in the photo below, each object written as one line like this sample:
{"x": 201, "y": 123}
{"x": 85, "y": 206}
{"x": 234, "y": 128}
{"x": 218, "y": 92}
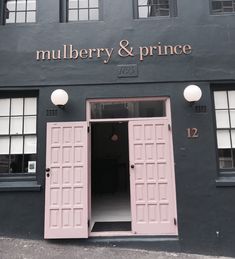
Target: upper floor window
{"x": 225, "y": 128}
{"x": 83, "y": 10}
{"x": 151, "y": 8}
{"x": 222, "y": 6}
{"x": 20, "y": 11}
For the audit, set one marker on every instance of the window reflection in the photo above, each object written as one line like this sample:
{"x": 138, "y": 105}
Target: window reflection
{"x": 149, "y": 8}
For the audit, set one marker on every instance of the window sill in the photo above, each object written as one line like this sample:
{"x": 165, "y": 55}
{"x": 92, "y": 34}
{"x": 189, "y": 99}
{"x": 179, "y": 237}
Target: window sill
{"x": 225, "y": 181}
{"x": 19, "y": 186}
{"x": 222, "y": 14}
{"x": 154, "y": 18}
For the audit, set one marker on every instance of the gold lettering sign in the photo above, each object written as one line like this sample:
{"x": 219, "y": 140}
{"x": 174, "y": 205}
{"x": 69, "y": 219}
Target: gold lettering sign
{"x": 124, "y": 50}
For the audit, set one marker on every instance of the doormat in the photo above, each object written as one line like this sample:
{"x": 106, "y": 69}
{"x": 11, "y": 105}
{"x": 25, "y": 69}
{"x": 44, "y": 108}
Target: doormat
{"x": 112, "y": 226}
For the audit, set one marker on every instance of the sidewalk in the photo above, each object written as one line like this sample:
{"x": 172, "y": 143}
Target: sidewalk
{"x": 40, "y": 249}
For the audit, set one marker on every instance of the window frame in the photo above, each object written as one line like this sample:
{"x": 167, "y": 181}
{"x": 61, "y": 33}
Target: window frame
{"x": 2, "y": 12}
{"x": 173, "y": 11}
{"x": 64, "y": 13}
{"x": 224, "y": 177}
{"x": 24, "y": 181}
{"x": 22, "y": 174}
{"x": 222, "y": 13}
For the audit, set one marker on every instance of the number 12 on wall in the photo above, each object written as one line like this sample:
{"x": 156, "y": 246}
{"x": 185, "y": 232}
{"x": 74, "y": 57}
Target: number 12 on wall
{"x": 192, "y": 133}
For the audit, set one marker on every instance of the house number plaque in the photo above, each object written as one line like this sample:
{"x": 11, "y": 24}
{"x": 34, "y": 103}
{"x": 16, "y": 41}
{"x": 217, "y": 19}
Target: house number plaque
{"x": 192, "y": 133}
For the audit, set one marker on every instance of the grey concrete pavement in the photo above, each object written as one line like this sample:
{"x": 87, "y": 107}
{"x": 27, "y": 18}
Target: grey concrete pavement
{"x": 40, "y": 249}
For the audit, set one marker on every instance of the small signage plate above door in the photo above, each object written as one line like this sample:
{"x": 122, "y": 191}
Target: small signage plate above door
{"x": 129, "y": 70}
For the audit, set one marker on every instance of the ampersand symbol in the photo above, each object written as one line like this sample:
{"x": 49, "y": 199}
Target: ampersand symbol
{"x": 124, "y": 51}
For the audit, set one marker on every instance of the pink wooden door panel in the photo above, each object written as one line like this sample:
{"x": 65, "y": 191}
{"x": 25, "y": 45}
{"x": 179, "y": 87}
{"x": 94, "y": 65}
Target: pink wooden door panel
{"x": 66, "y": 194}
{"x": 153, "y": 197}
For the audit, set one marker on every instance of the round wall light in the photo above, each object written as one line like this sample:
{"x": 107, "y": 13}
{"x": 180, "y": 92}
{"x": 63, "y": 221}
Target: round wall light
{"x": 59, "y": 97}
{"x": 192, "y": 93}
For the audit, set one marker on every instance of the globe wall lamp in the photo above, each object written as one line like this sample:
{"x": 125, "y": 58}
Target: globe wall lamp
{"x": 192, "y": 94}
{"x": 59, "y": 97}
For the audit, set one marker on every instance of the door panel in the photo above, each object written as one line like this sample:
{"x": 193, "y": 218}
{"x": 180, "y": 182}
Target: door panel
{"x": 66, "y": 194}
{"x": 153, "y": 198}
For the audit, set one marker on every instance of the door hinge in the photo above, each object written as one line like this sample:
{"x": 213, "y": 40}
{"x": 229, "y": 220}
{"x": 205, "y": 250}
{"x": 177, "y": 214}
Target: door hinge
{"x": 175, "y": 222}
{"x": 88, "y": 223}
{"x": 169, "y": 126}
{"x": 88, "y": 129}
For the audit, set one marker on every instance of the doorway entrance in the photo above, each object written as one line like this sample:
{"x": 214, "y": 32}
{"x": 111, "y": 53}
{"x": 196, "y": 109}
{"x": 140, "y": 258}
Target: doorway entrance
{"x": 132, "y": 174}
{"x": 112, "y": 174}
{"x": 110, "y": 183}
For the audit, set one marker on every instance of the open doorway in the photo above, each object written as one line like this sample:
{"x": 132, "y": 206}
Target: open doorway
{"x": 110, "y": 183}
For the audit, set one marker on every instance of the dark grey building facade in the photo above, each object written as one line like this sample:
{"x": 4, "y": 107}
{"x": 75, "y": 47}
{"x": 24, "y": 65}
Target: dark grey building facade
{"x": 108, "y": 56}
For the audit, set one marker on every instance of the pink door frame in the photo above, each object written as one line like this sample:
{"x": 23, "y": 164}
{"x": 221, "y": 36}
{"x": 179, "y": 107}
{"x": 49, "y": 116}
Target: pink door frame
{"x": 171, "y": 156}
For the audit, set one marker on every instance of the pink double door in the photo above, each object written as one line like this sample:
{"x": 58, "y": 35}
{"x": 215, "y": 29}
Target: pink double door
{"x": 152, "y": 183}
{"x": 66, "y": 194}
{"x": 153, "y": 196}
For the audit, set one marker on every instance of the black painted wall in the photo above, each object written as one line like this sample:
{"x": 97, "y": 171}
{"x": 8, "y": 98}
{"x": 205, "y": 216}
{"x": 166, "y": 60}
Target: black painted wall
{"x": 203, "y": 208}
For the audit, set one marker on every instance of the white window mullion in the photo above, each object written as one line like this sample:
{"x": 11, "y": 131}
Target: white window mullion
{"x": 222, "y": 119}
{"x": 4, "y": 145}
{"x": 4, "y": 125}
{"x": 30, "y": 144}
{"x": 16, "y": 145}
{"x": 16, "y": 125}
{"x": 223, "y": 139}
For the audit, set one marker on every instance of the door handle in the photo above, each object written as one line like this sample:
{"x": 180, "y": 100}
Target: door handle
{"x": 132, "y": 166}
{"x": 48, "y": 170}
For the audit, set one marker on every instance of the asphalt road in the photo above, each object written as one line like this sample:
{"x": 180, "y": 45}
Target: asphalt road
{"x": 41, "y": 249}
